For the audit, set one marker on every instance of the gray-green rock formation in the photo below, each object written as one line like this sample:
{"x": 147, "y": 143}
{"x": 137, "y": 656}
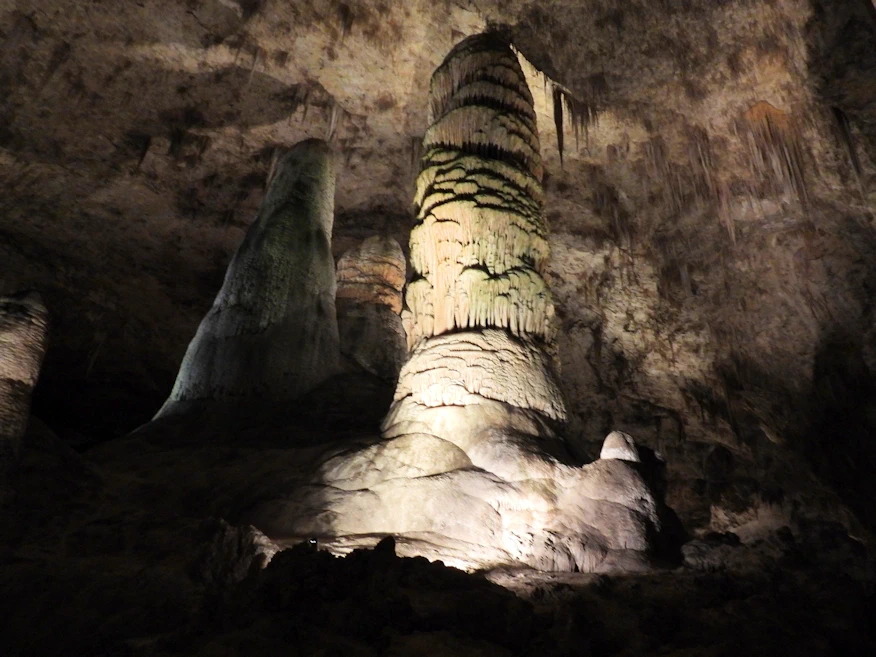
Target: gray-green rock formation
{"x": 272, "y": 331}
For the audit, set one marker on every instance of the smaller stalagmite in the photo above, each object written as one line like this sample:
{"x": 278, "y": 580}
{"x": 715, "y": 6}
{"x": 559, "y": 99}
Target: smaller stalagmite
{"x": 369, "y": 299}
{"x": 272, "y": 332}
{"x": 23, "y": 338}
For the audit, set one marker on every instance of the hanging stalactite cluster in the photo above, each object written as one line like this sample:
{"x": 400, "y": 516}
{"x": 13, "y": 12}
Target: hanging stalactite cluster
{"x": 775, "y": 152}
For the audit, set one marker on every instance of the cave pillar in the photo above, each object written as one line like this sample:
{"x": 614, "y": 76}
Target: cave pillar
{"x": 272, "y": 332}
{"x": 479, "y": 315}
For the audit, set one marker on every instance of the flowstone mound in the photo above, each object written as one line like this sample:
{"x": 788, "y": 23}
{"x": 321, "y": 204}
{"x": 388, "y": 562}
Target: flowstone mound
{"x": 272, "y": 332}
{"x": 472, "y": 468}
{"x": 23, "y": 338}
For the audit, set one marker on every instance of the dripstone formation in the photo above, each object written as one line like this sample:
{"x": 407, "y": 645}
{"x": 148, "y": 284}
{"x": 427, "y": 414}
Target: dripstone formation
{"x": 479, "y": 314}
{"x": 272, "y": 331}
{"x": 471, "y": 468}
{"x": 23, "y": 339}
{"x": 369, "y": 299}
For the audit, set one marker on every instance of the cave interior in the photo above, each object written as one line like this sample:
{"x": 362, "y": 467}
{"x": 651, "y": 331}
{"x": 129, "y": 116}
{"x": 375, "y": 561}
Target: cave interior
{"x": 437, "y": 327}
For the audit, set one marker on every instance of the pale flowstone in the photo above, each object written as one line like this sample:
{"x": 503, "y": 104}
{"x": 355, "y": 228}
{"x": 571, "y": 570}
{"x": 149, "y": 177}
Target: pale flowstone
{"x": 619, "y": 445}
{"x": 23, "y": 338}
{"x": 272, "y": 331}
{"x": 369, "y": 298}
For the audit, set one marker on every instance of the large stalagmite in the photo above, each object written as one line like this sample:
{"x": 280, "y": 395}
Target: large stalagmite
{"x": 471, "y": 467}
{"x": 23, "y": 339}
{"x": 272, "y": 331}
{"x": 479, "y": 314}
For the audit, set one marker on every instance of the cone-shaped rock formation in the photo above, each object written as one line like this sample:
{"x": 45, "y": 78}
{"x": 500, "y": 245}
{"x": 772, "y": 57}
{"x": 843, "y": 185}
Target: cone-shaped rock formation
{"x": 272, "y": 331}
{"x": 479, "y": 314}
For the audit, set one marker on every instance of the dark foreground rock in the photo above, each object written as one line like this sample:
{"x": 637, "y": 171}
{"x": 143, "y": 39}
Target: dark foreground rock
{"x": 123, "y": 552}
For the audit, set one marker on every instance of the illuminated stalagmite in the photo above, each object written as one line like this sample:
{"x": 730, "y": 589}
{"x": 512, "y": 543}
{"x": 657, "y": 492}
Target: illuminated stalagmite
{"x": 272, "y": 331}
{"x": 369, "y": 299}
{"x": 471, "y": 467}
{"x": 23, "y": 338}
{"x": 479, "y": 314}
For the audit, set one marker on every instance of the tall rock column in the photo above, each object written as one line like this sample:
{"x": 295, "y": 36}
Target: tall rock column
{"x": 272, "y": 332}
{"x": 479, "y": 313}
{"x": 23, "y": 339}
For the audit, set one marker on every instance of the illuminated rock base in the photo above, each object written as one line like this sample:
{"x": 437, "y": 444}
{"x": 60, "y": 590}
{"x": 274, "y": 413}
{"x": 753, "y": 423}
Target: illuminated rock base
{"x": 272, "y": 332}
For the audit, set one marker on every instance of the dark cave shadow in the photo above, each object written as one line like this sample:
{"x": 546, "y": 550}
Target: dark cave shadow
{"x": 348, "y": 405}
{"x": 841, "y": 40}
{"x": 839, "y": 436}
{"x": 672, "y": 535}
{"x": 842, "y": 438}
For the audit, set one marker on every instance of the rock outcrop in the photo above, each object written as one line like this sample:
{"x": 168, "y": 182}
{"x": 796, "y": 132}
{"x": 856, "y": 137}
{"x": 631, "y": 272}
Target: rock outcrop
{"x": 369, "y": 299}
{"x": 23, "y": 339}
{"x": 272, "y": 331}
{"x": 471, "y": 468}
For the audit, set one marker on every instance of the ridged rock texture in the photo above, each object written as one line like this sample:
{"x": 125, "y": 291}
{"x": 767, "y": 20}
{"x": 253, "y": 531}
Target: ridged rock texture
{"x": 272, "y": 332}
{"x": 371, "y": 277}
{"x": 479, "y": 313}
{"x": 23, "y": 339}
{"x": 471, "y": 469}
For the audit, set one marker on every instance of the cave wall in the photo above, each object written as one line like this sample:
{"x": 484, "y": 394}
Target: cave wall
{"x": 711, "y": 210}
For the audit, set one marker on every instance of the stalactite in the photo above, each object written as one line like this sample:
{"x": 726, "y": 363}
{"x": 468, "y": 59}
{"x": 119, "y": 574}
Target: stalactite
{"x": 775, "y": 149}
{"x": 558, "y": 118}
{"x": 845, "y": 131}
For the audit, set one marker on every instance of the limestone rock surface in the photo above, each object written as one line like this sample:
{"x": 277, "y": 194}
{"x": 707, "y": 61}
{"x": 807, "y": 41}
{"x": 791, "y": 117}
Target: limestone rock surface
{"x": 619, "y": 445}
{"x": 24, "y": 325}
{"x": 272, "y": 331}
{"x": 370, "y": 279}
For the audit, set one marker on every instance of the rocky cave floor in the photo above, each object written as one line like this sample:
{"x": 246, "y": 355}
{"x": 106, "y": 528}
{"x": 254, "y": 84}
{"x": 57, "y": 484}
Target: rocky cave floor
{"x": 135, "y": 548}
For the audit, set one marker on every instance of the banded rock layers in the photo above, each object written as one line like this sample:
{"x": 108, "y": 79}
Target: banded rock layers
{"x": 479, "y": 313}
{"x": 23, "y": 340}
{"x": 369, "y": 298}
